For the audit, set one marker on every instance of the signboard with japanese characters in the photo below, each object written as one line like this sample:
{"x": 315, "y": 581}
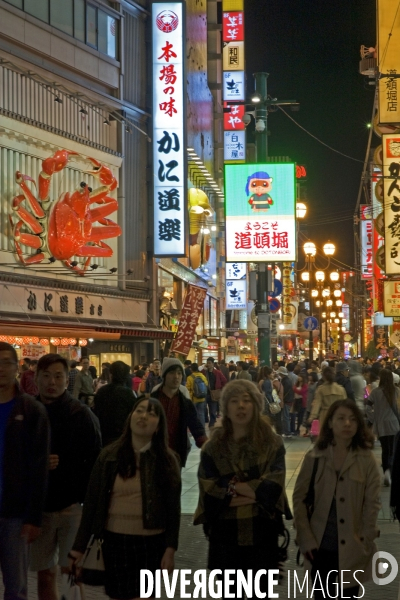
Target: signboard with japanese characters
{"x": 260, "y": 212}
{"x": 233, "y": 117}
{"x": 236, "y": 294}
{"x": 234, "y": 145}
{"x": 191, "y": 310}
{"x": 366, "y": 235}
{"x": 169, "y": 136}
{"x": 389, "y": 61}
{"x": 236, "y": 270}
{"x": 233, "y": 86}
{"x": 391, "y": 298}
{"x": 233, "y": 56}
{"x": 233, "y": 26}
{"x": 391, "y": 193}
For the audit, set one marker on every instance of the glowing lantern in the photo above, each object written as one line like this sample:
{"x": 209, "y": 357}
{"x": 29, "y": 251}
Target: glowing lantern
{"x": 64, "y": 341}
{"x": 83, "y": 342}
{"x": 44, "y": 342}
{"x": 19, "y": 340}
{"x": 72, "y": 341}
{"x": 3, "y": 338}
{"x": 55, "y": 341}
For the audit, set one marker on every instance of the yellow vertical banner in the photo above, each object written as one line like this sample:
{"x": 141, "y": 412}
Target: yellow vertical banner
{"x": 232, "y": 5}
{"x": 388, "y": 61}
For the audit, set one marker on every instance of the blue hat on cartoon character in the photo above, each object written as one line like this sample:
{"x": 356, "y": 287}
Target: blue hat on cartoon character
{"x": 257, "y": 175}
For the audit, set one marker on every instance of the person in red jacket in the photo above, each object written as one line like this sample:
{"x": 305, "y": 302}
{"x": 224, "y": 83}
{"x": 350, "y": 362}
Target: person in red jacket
{"x": 27, "y": 384}
{"x": 216, "y": 382}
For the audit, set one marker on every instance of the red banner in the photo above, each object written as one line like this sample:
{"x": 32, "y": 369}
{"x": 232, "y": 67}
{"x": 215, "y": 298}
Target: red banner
{"x": 189, "y": 318}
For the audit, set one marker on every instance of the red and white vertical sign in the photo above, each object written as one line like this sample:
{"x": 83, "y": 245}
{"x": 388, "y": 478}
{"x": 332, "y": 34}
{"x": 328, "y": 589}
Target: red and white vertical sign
{"x": 169, "y": 139}
{"x": 191, "y": 310}
{"x": 367, "y": 241}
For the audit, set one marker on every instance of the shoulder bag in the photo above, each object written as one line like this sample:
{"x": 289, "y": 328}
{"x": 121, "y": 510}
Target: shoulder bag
{"x": 92, "y": 564}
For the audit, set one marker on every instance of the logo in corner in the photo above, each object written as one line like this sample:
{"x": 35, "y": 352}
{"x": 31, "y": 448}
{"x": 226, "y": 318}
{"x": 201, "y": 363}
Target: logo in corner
{"x": 167, "y": 21}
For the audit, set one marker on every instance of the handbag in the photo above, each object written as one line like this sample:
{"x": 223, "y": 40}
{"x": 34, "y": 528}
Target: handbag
{"x": 275, "y": 406}
{"x": 215, "y": 395}
{"x": 70, "y": 590}
{"x": 92, "y": 564}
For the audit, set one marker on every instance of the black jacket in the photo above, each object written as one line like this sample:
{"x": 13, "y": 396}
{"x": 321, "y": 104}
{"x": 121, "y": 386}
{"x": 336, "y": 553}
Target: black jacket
{"x": 76, "y": 439}
{"x": 288, "y": 393}
{"x": 188, "y": 419}
{"x": 113, "y": 404}
{"x": 161, "y": 506}
{"x": 25, "y": 461}
{"x": 346, "y": 383}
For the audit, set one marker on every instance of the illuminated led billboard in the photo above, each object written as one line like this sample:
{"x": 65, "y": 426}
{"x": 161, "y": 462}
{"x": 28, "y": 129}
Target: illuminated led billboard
{"x": 260, "y": 211}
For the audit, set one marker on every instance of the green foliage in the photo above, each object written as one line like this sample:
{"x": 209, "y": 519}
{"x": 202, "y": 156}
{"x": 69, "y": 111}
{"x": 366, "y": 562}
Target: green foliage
{"x": 371, "y": 350}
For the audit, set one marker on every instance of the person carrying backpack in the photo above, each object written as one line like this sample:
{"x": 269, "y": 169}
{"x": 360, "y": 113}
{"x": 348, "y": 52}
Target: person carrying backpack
{"x": 197, "y": 386}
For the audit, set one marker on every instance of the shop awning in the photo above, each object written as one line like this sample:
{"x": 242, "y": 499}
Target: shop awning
{"x": 84, "y": 331}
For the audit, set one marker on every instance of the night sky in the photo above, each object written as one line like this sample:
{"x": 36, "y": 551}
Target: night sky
{"x": 311, "y": 51}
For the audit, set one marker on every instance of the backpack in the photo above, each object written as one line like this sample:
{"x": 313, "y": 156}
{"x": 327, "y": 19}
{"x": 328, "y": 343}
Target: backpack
{"x": 199, "y": 387}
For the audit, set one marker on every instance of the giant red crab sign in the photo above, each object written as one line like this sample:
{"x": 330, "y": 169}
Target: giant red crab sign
{"x": 63, "y": 228}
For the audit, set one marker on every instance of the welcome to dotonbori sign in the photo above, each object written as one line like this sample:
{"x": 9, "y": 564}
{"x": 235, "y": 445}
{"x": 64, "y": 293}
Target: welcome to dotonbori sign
{"x": 169, "y": 136}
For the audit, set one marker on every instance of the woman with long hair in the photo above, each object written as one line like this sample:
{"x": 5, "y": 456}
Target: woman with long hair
{"x": 133, "y": 503}
{"x": 242, "y": 485}
{"x": 267, "y": 382}
{"x": 383, "y": 410}
{"x": 336, "y": 527}
{"x": 325, "y": 395}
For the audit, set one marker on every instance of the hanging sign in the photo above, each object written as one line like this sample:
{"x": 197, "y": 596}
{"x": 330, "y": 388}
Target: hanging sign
{"x": 169, "y": 134}
{"x": 189, "y": 318}
{"x": 236, "y": 271}
{"x": 234, "y": 145}
{"x": 234, "y": 86}
{"x": 391, "y": 192}
{"x": 233, "y": 56}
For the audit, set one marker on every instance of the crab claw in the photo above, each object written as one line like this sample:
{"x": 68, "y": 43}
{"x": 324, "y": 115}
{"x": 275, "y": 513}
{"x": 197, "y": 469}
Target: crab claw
{"x": 103, "y": 174}
{"x": 52, "y": 165}
{"x": 20, "y": 178}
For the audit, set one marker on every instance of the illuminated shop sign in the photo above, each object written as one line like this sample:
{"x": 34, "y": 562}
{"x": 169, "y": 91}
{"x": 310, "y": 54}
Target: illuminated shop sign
{"x": 234, "y": 86}
{"x": 234, "y": 145}
{"x": 169, "y": 129}
{"x": 236, "y": 270}
{"x": 233, "y": 56}
{"x": 391, "y": 196}
{"x": 260, "y": 212}
{"x": 388, "y": 61}
{"x": 236, "y": 294}
{"x": 233, "y": 26}
{"x": 367, "y": 245}
{"x": 233, "y": 117}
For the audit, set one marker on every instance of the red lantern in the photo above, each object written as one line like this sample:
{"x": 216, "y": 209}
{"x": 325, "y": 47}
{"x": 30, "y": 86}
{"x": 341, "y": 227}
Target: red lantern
{"x": 19, "y": 341}
{"x": 44, "y": 342}
{"x": 72, "y": 341}
{"x": 55, "y": 341}
{"x": 64, "y": 341}
{"x": 83, "y": 342}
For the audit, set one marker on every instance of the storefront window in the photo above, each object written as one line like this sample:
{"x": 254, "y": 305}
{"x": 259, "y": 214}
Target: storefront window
{"x": 207, "y": 316}
{"x": 38, "y": 9}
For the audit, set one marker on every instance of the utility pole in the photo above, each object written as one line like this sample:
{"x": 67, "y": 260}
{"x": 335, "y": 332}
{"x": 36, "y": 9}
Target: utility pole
{"x": 262, "y": 103}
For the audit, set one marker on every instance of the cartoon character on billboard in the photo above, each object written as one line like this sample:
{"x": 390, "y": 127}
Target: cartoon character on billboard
{"x": 258, "y": 185}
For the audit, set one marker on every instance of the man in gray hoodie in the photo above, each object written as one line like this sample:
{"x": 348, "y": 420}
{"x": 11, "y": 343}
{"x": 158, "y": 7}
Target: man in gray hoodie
{"x": 358, "y": 383}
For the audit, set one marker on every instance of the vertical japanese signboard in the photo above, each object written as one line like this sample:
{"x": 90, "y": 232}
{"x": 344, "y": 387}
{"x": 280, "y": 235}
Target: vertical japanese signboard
{"x": 388, "y": 61}
{"x": 366, "y": 241}
{"x": 236, "y": 286}
{"x": 233, "y": 80}
{"x": 260, "y": 212}
{"x": 191, "y": 310}
{"x": 169, "y": 134}
{"x": 391, "y": 202}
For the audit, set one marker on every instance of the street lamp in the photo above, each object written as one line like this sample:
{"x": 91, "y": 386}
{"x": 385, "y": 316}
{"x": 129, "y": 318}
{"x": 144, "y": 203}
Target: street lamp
{"x": 301, "y": 210}
{"x": 310, "y": 251}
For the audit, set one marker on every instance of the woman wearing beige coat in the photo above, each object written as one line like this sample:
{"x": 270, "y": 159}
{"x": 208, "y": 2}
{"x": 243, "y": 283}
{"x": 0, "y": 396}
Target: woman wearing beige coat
{"x": 343, "y": 521}
{"x": 325, "y": 395}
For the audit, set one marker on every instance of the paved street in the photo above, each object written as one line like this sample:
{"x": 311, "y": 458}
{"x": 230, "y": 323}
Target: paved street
{"x": 192, "y": 553}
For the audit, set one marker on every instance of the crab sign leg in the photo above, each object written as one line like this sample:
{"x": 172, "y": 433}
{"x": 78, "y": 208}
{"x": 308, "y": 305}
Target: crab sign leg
{"x": 103, "y": 174}
{"x": 35, "y": 206}
{"x": 109, "y": 230}
{"x": 27, "y": 239}
{"x": 52, "y": 165}
{"x": 77, "y": 269}
{"x": 102, "y": 249}
{"x": 103, "y": 211}
{"x": 25, "y": 215}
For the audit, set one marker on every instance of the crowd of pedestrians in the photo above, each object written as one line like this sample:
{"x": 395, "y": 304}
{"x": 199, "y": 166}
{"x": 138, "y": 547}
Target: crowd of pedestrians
{"x": 59, "y": 490}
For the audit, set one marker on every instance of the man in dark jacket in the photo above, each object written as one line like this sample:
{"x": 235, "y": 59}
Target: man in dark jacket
{"x": 179, "y": 409}
{"x": 342, "y": 378}
{"x": 113, "y": 403}
{"x": 216, "y": 382}
{"x": 75, "y": 445}
{"x": 24, "y": 455}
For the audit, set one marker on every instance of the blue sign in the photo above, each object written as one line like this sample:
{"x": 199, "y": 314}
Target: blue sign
{"x": 274, "y": 305}
{"x": 278, "y": 287}
{"x": 310, "y": 323}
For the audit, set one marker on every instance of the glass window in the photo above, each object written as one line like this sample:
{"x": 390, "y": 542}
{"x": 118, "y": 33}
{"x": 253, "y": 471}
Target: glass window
{"x": 79, "y": 20}
{"x": 38, "y": 9}
{"x": 206, "y": 314}
{"x": 62, "y": 15}
{"x": 91, "y": 25}
{"x": 107, "y": 34}
{"x": 17, "y": 3}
